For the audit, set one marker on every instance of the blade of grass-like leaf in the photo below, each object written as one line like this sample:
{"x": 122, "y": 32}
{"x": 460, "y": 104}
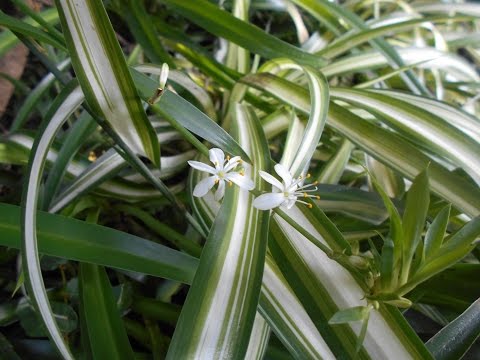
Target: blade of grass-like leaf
{"x": 19, "y": 26}
{"x": 237, "y": 242}
{"x": 143, "y": 29}
{"x": 315, "y": 279}
{"x": 258, "y": 339}
{"x": 319, "y": 95}
{"x": 436, "y": 233}
{"x": 237, "y": 57}
{"x": 187, "y": 83}
{"x": 33, "y": 97}
{"x": 77, "y": 240}
{"x": 425, "y": 57}
{"x": 419, "y": 124}
{"x": 280, "y": 306}
{"x": 393, "y": 248}
{"x": 334, "y": 168}
{"x": 17, "y": 147}
{"x": 453, "y": 250}
{"x": 9, "y": 40}
{"x": 82, "y": 128}
{"x": 416, "y": 209}
{"x": 67, "y": 102}
{"x": 379, "y": 143}
{"x": 100, "y": 66}
{"x": 350, "y": 41}
{"x": 468, "y": 8}
{"x": 105, "y": 167}
{"x": 223, "y": 24}
{"x": 454, "y": 340}
{"x": 107, "y": 335}
{"x": 177, "y": 108}
{"x": 317, "y": 8}
{"x": 458, "y": 118}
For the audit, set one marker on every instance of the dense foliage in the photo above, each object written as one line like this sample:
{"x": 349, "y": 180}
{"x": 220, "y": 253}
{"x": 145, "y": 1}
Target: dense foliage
{"x": 241, "y": 179}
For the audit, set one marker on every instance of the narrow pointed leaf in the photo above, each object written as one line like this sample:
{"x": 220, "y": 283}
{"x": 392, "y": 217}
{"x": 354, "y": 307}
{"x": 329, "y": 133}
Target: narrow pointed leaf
{"x": 379, "y": 143}
{"x": 67, "y": 102}
{"x": 232, "y": 260}
{"x": 223, "y": 24}
{"x": 72, "y": 239}
{"x": 416, "y": 209}
{"x": 454, "y": 340}
{"x": 179, "y": 109}
{"x": 436, "y": 232}
{"x": 100, "y": 66}
{"x": 107, "y": 335}
{"x": 434, "y": 132}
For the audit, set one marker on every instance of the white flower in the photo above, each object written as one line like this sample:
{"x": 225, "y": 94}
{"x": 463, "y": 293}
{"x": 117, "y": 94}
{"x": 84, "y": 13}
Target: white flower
{"x": 285, "y": 194}
{"x": 224, "y": 171}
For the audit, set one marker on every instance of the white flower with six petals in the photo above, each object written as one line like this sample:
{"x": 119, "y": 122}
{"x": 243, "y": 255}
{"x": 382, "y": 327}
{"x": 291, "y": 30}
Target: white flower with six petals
{"x": 285, "y": 194}
{"x": 224, "y": 171}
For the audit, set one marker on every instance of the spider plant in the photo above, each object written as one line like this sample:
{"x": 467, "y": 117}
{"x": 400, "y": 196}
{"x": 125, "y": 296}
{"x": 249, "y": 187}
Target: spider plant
{"x": 242, "y": 179}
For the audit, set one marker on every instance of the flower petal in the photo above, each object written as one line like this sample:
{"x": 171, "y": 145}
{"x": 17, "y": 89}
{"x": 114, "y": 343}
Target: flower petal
{"x": 232, "y": 163}
{"x": 201, "y": 166}
{"x": 270, "y": 179}
{"x": 204, "y": 186}
{"x": 220, "y": 191}
{"x": 217, "y": 157}
{"x": 241, "y": 180}
{"x": 268, "y": 201}
{"x": 283, "y": 172}
{"x": 290, "y": 202}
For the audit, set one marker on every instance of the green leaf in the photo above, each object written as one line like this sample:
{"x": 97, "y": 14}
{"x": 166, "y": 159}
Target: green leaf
{"x": 454, "y": 340}
{"x": 223, "y": 24}
{"x": 432, "y": 132}
{"x": 357, "y": 313}
{"x": 188, "y": 116}
{"x": 76, "y": 240}
{"x": 142, "y": 28}
{"x": 9, "y": 40}
{"x": 393, "y": 245}
{"x": 436, "y": 233}
{"x": 67, "y": 102}
{"x": 237, "y": 242}
{"x": 384, "y": 146}
{"x": 18, "y": 26}
{"x": 454, "y": 248}
{"x": 416, "y": 209}
{"x": 288, "y": 319}
{"x": 75, "y": 138}
{"x": 107, "y": 335}
{"x": 102, "y": 72}
{"x": 319, "y": 7}
{"x": 33, "y": 98}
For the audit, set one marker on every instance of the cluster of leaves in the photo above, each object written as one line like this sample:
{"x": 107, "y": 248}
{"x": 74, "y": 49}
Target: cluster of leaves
{"x": 112, "y": 253}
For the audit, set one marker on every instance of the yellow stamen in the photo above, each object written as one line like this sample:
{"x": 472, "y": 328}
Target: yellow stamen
{"x": 92, "y": 156}
{"x": 228, "y": 157}
{"x": 304, "y": 194}
{"x": 230, "y": 183}
{"x": 308, "y": 175}
{"x": 216, "y": 181}
{"x": 317, "y": 197}
{"x": 309, "y": 206}
{"x": 242, "y": 172}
